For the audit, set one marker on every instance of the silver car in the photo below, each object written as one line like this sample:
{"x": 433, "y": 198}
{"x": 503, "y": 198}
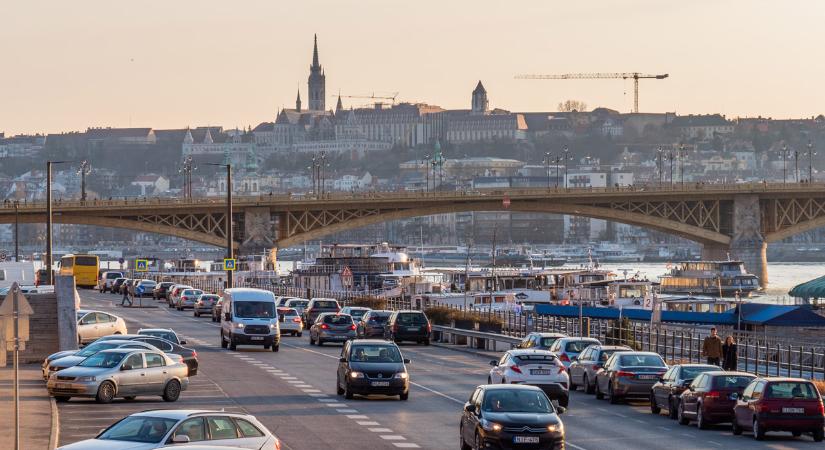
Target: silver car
{"x": 204, "y": 304}
{"x": 74, "y": 359}
{"x": 332, "y": 327}
{"x": 290, "y": 322}
{"x": 123, "y": 373}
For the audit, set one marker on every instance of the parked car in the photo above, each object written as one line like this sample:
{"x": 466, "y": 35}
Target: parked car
{"x": 216, "y": 310}
{"x": 290, "y": 322}
{"x": 629, "y": 374}
{"x": 779, "y": 404}
{"x": 148, "y": 288}
{"x": 372, "y": 323}
{"x": 317, "y": 306}
{"x": 117, "y": 285}
{"x": 667, "y": 392}
{"x": 161, "y": 290}
{"x": 369, "y": 366}
{"x": 539, "y": 341}
{"x": 163, "y": 333}
{"x": 51, "y": 366}
{"x": 185, "y": 355}
{"x": 249, "y": 318}
{"x": 588, "y": 363}
{"x": 539, "y": 368}
{"x": 357, "y": 312}
{"x": 711, "y": 397}
{"x": 569, "y": 347}
{"x": 506, "y": 416}
{"x": 331, "y": 327}
{"x": 125, "y": 373}
{"x": 157, "y": 428}
{"x": 408, "y": 326}
{"x": 174, "y": 292}
{"x": 204, "y": 304}
{"x": 299, "y": 304}
{"x": 94, "y": 324}
{"x": 107, "y": 280}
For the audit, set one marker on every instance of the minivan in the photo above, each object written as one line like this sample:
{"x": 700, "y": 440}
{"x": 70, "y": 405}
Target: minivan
{"x": 249, "y": 317}
{"x": 408, "y": 326}
{"x": 108, "y": 279}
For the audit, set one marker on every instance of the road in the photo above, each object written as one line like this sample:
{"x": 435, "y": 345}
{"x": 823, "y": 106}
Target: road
{"x": 292, "y": 392}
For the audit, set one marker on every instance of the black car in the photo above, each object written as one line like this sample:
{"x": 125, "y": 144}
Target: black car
{"x": 372, "y": 323}
{"x": 116, "y": 286}
{"x": 408, "y": 326}
{"x": 507, "y": 416}
{"x": 371, "y": 366}
{"x": 665, "y": 394}
{"x": 161, "y": 290}
{"x": 190, "y": 356}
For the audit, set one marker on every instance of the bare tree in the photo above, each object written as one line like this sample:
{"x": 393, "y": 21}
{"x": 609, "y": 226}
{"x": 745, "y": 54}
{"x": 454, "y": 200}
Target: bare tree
{"x": 572, "y": 105}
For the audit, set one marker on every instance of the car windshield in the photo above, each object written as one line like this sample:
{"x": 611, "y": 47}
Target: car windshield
{"x": 91, "y": 349}
{"x": 325, "y": 304}
{"x": 192, "y": 292}
{"x": 210, "y": 298}
{"x": 547, "y": 341}
{"x": 536, "y": 359}
{"x": 516, "y": 400}
{"x": 375, "y": 353}
{"x": 338, "y": 319}
{"x": 731, "y": 382}
{"x": 357, "y": 313}
{"x": 380, "y": 318}
{"x": 689, "y": 373}
{"x": 791, "y": 389}
{"x": 641, "y": 361}
{"x": 577, "y": 346}
{"x": 255, "y": 310}
{"x": 168, "y": 335}
{"x": 297, "y": 303}
{"x": 412, "y": 318}
{"x": 139, "y": 429}
{"x": 104, "y": 359}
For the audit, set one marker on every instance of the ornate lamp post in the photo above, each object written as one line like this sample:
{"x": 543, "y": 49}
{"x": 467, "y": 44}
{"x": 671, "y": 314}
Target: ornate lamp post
{"x": 566, "y": 153}
{"x": 186, "y": 170}
{"x": 811, "y": 154}
{"x": 547, "y": 159}
{"x": 659, "y": 153}
{"x": 784, "y": 164}
{"x": 682, "y": 156}
{"x": 84, "y": 169}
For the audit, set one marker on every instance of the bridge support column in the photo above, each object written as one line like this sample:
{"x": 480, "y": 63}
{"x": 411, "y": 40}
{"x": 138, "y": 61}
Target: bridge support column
{"x": 747, "y": 242}
{"x": 259, "y": 230}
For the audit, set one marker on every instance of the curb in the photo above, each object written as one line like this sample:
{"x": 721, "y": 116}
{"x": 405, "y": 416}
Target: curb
{"x": 462, "y": 349}
{"x": 55, "y": 431}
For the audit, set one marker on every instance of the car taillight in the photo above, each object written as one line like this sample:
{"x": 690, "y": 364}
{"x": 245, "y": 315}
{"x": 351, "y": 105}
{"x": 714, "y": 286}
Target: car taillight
{"x": 277, "y": 444}
{"x": 194, "y": 353}
{"x": 765, "y": 408}
{"x": 713, "y": 394}
{"x": 324, "y": 326}
{"x": 564, "y": 357}
{"x": 623, "y": 374}
{"x": 352, "y": 327}
{"x": 561, "y": 369}
{"x": 429, "y": 328}
{"x": 515, "y": 369}
{"x": 821, "y": 408}
{"x": 296, "y": 319}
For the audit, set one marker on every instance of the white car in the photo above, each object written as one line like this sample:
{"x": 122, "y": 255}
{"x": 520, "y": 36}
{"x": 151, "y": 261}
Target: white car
{"x": 569, "y": 347}
{"x": 95, "y": 324}
{"x": 155, "y": 429}
{"x": 539, "y": 368}
{"x": 290, "y": 322}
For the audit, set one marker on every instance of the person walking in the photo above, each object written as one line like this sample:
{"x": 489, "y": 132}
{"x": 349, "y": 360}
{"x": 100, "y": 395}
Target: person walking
{"x": 730, "y": 354}
{"x": 126, "y": 297}
{"x": 712, "y": 347}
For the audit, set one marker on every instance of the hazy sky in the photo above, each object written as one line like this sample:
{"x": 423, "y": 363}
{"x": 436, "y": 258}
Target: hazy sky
{"x": 68, "y": 65}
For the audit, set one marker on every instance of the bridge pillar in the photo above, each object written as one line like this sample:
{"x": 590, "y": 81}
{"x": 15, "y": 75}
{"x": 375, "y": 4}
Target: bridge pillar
{"x": 259, "y": 230}
{"x": 747, "y": 242}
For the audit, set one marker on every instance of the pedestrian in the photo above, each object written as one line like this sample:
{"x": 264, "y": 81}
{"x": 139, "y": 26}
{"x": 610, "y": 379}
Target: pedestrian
{"x": 712, "y": 347}
{"x": 125, "y": 297}
{"x": 730, "y": 354}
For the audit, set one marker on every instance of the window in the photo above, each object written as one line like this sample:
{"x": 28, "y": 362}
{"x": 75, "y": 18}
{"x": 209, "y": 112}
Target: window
{"x": 791, "y": 390}
{"x": 2, "y": 275}
{"x": 193, "y": 428}
{"x": 86, "y": 261}
{"x": 749, "y": 391}
{"x": 733, "y": 381}
{"x": 757, "y": 390}
{"x": 668, "y": 376}
{"x": 159, "y": 343}
{"x": 154, "y": 360}
{"x": 247, "y": 429}
{"x": 692, "y": 372}
{"x": 375, "y": 353}
{"x": 577, "y": 346}
{"x": 88, "y": 319}
{"x": 546, "y": 341}
{"x": 136, "y": 361}
{"x": 221, "y": 428}
{"x": 104, "y": 318}
{"x": 641, "y": 361}
{"x": 338, "y": 319}
{"x": 138, "y": 429}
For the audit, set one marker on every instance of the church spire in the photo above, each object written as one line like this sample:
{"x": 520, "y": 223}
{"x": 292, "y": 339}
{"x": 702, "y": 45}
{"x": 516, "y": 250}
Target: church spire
{"x": 316, "y": 81}
{"x": 339, "y": 107}
{"x": 315, "y": 62}
{"x": 298, "y": 102}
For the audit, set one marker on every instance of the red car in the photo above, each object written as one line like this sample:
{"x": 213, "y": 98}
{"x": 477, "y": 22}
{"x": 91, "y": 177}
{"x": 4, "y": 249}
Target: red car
{"x": 711, "y": 396}
{"x": 780, "y": 404}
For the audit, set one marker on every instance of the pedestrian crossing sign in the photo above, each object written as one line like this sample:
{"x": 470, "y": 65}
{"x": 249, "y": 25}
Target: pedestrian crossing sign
{"x": 141, "y": 265}
{"x": 229, "y": 264}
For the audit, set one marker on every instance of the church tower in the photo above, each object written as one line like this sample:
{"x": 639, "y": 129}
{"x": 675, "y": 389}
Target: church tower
{"x": 316, "y": 82}
{"x": 480, "y": 103}
{"x": 298, "y": 102}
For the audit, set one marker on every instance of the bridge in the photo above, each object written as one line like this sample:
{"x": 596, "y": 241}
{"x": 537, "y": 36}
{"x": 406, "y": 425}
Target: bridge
{"x": 737, "y": 219}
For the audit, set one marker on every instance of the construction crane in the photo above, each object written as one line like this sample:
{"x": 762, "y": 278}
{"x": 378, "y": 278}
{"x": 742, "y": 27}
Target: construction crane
{"x": 375, "y": 97}
{"x": 636, "y": 76}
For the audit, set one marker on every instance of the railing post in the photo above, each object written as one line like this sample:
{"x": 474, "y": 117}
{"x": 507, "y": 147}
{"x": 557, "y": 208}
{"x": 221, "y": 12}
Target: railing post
{"x": 681, "y": 346}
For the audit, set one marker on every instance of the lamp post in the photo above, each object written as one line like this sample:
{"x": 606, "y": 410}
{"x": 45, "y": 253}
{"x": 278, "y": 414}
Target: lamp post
{"x": 682, "y": 164}
{"x": 659, "y": 154}
{"x": 811, "y": 154}
{"x": 84, "y": 169}
{"x": 322, "y": 172}
{"x": 49, "y": 220}
{"x": 565, "y": 152}
{"x": 186, "y": 170}
{"x": 427, "y": 167}
{"x": 556, "y": 162}
{"x": 230, "y": 244}
{"x": 796, "y": 165}
{"x": 16, "y": 232}
{"x": 784, "y": 164}
{"x": 670, "y": 157}
{"x": 547, "y": 167}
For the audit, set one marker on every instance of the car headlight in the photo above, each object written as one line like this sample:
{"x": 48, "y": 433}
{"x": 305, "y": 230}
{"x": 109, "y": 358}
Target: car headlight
{"x": 355, "y": 374}
{"x": 490, "y": 426}
{"x": 273, "y": 326}
{"x": 555, "y": 427}
{"x": 401, "y": 375}
{"x": 85, "y": 379}
{"x": 238, "y": 325}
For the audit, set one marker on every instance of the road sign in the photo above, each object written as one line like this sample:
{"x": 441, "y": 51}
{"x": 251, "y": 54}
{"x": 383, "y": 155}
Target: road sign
{"x": 229, "y": 264}
{"x": 121, "y": 260}
{"x": 346, "y": 277}
{"x": 24, "y": 310}
{"x": 141, "y": 265}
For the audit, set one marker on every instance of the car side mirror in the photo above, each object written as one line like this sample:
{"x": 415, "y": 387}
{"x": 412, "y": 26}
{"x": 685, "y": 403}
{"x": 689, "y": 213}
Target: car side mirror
{"x": 180, "y": 439}
{"x": 126, "y": 367}
{"x": 560, "y": 410}
{"x": 183, "y": 342}
{"x": 406, "y": 361}
{"x": 493, "y": 362}
{"x": 470, "y": 408}
{"x": 342, "y": 359}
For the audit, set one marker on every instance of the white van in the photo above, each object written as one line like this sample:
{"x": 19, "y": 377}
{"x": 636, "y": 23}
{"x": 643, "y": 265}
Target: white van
{"x": 21, "y": 273}
{"x": 108, "y": 279}
{"x": 249, "y": 317}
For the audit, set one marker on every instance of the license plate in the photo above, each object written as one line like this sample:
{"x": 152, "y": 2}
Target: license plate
{"x": 62, "y": 385}
{"x": 412, "y": 328}
{"x": 539, "y": 372}
{"x": 648, "y": 377}
{"x": 257, "y": 338}
{"x": 380, "y": 383}
{"x": 525, "y": 439}
{"x": 793, "y": 410}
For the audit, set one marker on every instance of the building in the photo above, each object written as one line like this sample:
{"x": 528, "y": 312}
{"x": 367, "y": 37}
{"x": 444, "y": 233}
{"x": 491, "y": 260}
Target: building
{"x": 316, "y": 83}
{"x": 151, "y": 184}
{"x": 702, "y": 126}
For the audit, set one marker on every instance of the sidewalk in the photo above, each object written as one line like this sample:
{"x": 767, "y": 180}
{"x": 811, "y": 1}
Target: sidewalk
{"x": 35, "y": 409}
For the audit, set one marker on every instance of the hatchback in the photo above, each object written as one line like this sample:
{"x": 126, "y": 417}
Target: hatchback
{"x": 710, "y": 398}
{"x": 159, "y": 428}
{"x": 588, "y": 363}
{"x": 779, "y": 404}
{"x": 408, "y": 326}
{"x": 540, "y": 341}
{"x": 629, "y": 374}
{"x": 187, "y": 298}
{"x": 357, "y": 313}
{"x": 188, "y": 356}
{"x": 569, "y": 347}
{"x": 372, "y": 323}
{"x": 204, "y": 304}
{"x": 539, "y": 368}
{"x": 161, "y": 290}
{"x": 174, "y": 292}
{"x": 331, "y": 327}
{"x": 74, "y": 359}
{"x": 370, "y": 366}
{"x": 666, "y": 393}
{"x": 317, "y": 306}
{"x": 95, "y": 324}
{"x": 147, "y": 288}
{"x": 299, "y": 304}
{"x": 290, "y": 321}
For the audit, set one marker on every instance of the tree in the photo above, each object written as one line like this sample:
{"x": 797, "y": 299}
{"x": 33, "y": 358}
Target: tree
{"x": 572, "y": 105}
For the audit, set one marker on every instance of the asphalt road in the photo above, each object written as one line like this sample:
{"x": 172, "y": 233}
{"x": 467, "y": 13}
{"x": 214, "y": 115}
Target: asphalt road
{"x": 292, "y": 392}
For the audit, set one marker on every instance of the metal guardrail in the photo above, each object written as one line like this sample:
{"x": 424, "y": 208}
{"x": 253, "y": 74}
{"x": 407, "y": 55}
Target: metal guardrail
{"x": 477, "y": 334}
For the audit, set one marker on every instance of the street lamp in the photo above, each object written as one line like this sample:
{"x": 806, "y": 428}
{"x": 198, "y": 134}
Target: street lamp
{"x": 682, "y": 164}
{"x": 670, "y": 158}
{"x": 784, "y": 164}
{"x": 186, "y": 170}
{"x": 796, "y": 165}
{"x": 49, "y": 220}
{"x": 230, "y": 244}
{"x": 16, "y": 231}
{"x": 659, "y": 153}
{"x": 811, "y": 154}
{"x": 547, "y": 159}
{"x": 84, "y": 169}
{"x": 427, "y": 167}
{"x": 565, "y": 152}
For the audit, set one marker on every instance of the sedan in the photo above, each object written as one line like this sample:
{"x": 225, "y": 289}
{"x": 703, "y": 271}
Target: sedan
{"x": 290, "y": 322}
{"x": 91, "y": 349}
{"x": 331, "y": 327}
{"x": 187, "y": 298}
{"x": 187, "y": 355}
{"x": 629, "y": 374}
{"x": 711, "y": 397}
{"x": 666, "y": 393}
{"x": 357, "y": 313}
{"x": 538, "y": 368}
{"x": 588, "y": 363}
{"x": 510, "y": 417}
{"x": 372, "y": 323}
{"x": 95, "y": 324}
{"x": 569, "y": 347}
{"x": 161, "y": 289}
{"x": 372, "y": 367}
{"x": 122, "y": 373}
{"x": 204, "y": 304}
{"x": 158, "y": 428}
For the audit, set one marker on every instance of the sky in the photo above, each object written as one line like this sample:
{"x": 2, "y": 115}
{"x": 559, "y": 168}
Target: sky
{"x": 171, "y": 64}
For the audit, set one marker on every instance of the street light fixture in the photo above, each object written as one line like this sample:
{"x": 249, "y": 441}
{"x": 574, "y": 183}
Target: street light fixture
{"x": 84, "y": 169}
{"x": 186, "y": 170}
{"x": 49, "y": 220}
{"x": 547, "y": 159}
{"x": 670, "y": 158}
{"x": 230, "y": 244}
{"x": 811, "y": 154}
{"x": 682, "y": 164}
{"x": 565, "y": 152}
{"x": 796, "y": 165}
{"x": 659, "y": 154}
{"x": 784, "y": 164}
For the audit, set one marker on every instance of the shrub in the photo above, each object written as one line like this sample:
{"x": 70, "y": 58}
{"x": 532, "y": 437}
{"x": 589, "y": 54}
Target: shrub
{"x": 440, "y": 315}
{"x": 369, "y": 302}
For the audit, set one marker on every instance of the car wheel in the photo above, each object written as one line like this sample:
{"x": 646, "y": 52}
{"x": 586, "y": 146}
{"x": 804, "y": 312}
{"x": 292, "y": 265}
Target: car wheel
{"x": 223, "y": 341}
{"x": 758, "y": 431}
{"x": 267, "y": 347}
{"x": 461, "y": 443}
{"x": 599, "y": 394}
{"x": 681, "y": 415}
{"x": 735, "y": 428}
{"x": 700, "y": 418}
{"x": 338, "y": 389}
{"x": 588, "y": 388}
{"x": 105, "y": 392}
{"x": 232, "y": 345}
{"x": 197, "y": 314}
{"x": 611, "y": 396}
{"x": 171, "y": 392}
{"x": 275, "y": 348}
{"x": 818, "y": 434}
{"x": 79, "y": 340}
{"x": 61, "y": 398}
{"x": 489, "y": 380}
{"x": 654, "y": 407}
{"x": 673, "y": 408}
{"x": 564, "y": 401}
{"x": 796, "y": 433}
{"x": 130, "y": 397}
{"x": 319, "y": 342}
{"x": 404, "y": 396}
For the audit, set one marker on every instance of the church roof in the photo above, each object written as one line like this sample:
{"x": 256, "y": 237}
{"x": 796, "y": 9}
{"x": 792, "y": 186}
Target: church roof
{"x": 479, "y": 89}
{"x": 264, "y": 126}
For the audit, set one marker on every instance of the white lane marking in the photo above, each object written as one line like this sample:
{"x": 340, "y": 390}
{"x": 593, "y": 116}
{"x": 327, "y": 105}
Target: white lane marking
{"x": 293, "y": 381}
{"x": 311, "y": 391}
{"x": 325, "y": 398}
{"x": 367, "y": 423}
{"x": 380, "y": 430}
{"x": 569, "y": 444}
{"x": 336, "y": 405}
{"x": 392, "y": 437}
{"x": 345, "y": 411}
{"x": 303, "y": 386}
{"x": 357, "y": 416}
{"x": 290, "y": 378}
{"x": 405, "y": 445}
{"x": 664, "y": 428}
{"x": 639, "y": 421}
{"x": 715, "y": 443}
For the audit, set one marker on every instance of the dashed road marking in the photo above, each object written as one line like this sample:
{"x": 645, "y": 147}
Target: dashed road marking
{"x": 392, "y": 437}
{"x": 405, "y": 445}
{"x": 380, "y": 430}
{"x": 367, "y": 423}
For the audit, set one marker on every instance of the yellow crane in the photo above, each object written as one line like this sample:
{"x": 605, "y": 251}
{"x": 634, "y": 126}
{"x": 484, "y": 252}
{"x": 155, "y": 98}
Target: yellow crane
{"x": 635, "y": 76}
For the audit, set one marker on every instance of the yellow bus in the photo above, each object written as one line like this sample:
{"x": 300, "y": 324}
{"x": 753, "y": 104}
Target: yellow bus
{"x": 83, "y": 267}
